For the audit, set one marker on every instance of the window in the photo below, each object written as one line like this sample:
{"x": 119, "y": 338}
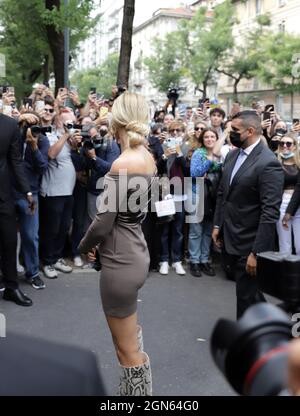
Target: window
{"x": 281, "y": 3}
{"x": 258, "y": 7}
{"x": 281, "y": 26}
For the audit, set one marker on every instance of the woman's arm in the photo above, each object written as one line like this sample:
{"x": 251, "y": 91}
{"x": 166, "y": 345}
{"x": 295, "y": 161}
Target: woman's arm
{"x": 105, "y": 218}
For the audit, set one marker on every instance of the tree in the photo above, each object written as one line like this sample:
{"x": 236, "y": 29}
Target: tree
{"x": 102, "y": 77}
{"x": 280, "y": 67}
{"x": 205, "y": 39}
{"x": 165, "y": 65}
{"x": 126, "y": 43}
{"x": 243, "y": 61}
{"x": 31, "y": 37}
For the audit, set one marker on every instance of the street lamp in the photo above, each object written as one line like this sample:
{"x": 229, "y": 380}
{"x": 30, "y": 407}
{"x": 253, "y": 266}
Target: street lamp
{"x": 66, "y": 50}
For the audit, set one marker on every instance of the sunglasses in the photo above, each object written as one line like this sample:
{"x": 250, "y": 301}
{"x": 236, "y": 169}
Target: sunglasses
{"x": 177, "y": 130}
{"x": 49, "y": 110}
{"x": 287, "y": 144}
{"x": 199, "y": 128}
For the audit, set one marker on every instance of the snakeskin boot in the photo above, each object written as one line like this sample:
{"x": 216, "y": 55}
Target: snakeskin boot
{"x": 136, "y": 381}
{"x": 140, "y": 338}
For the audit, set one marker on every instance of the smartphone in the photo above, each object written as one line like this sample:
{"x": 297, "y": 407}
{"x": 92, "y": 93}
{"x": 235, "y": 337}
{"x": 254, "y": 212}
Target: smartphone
{"x": 295, "y": 120}
{"x": 93, "y": 90}
{"x": 27, "y": 101}
{"x": 269, "y": 108}
{"x": 39, "y": 105}
{"x": 73, "y": 88}
{"x": 266, "y": 115}
{"x": 62, "y": 90}
{"x": 103, "y": 111}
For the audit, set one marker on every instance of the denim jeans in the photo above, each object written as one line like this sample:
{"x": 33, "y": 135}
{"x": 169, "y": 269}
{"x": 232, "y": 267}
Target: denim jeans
{"x": 56, "y": 216}
{"x": 200, "y": 241}
{"x": 29, "y": 230}
{"x": 176, "y": 243}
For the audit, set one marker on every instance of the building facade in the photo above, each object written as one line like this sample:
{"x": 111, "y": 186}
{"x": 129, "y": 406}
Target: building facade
{"x": 162, "y": 22}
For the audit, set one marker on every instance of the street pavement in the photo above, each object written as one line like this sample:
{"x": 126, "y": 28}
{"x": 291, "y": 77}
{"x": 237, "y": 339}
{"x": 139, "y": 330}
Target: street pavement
{"x": 177, "y": 313}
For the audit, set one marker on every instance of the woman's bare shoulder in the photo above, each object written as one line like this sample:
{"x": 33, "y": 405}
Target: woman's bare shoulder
{"x": 133, "y": 164}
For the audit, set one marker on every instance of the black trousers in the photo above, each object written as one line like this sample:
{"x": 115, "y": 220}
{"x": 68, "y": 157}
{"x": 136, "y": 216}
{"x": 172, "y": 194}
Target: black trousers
{"x": 247, "y": 292}
{"x": 55, "y": 222}
{"x": 8, "y": 247}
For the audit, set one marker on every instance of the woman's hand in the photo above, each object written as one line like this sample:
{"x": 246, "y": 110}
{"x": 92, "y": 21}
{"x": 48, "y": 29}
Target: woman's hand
{"x": 91, "y": 255}
{"x": 285, "y": 221}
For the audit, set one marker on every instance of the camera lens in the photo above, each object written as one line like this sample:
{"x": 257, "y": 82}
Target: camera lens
{"x": 252, "y": 352}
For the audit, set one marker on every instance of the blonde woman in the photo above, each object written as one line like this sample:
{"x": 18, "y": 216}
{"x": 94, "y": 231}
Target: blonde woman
{"x": 288, "y": 155}
{"x": 122, "y": 246}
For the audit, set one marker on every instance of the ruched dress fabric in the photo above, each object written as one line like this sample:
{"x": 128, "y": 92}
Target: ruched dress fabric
{"x": 117, "y": 232}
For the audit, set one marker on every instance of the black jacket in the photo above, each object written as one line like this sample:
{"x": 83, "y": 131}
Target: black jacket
{"x": 11, "y": 163}
{"x": 248, "y": 209}
{"x": 295, "y": 200}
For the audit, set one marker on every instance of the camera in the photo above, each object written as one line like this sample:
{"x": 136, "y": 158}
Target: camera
{"x": 96, "y": 142}
{"x": 37, "y": 130}
{"x": 252, "y": 352}
{"x": 173, "y": 94}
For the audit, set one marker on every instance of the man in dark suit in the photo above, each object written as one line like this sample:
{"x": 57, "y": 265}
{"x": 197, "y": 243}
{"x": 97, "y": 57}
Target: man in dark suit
{"x": 248, "y": 203}
{"x": 11, "y": 163}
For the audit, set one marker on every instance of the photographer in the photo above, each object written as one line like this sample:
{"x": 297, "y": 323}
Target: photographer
{"x": 56, "y": 192}
{"x": 95, "y": 157}
{"x": 35, "y": 148}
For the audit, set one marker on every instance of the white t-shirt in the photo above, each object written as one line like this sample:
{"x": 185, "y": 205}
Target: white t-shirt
{"x": 60, "y": 176}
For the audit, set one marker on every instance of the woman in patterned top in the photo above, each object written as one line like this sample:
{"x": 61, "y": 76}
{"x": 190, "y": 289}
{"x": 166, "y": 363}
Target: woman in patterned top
{"x": 205, "y": 164}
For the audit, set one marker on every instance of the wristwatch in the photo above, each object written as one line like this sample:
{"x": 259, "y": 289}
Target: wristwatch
{"x": 164, "y": 157}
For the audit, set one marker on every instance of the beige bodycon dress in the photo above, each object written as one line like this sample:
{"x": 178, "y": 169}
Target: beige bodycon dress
{"x": 116, "y": 230}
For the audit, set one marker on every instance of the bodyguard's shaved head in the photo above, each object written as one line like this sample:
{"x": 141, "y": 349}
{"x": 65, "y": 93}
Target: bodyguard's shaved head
{"x": 249, "y": 118}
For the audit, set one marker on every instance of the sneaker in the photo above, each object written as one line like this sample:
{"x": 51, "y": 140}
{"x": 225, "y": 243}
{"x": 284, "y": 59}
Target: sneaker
{"x": 50, "y": 272}
{"x": 164, "y": 267}
{"x": 195, "y": 269}
{"x": 2, "y": 287}
{"x": 36, "y": 283}
{"x": 62, "y": 266}
{"x": 78, "y": 261}
{"x": 207, "y": 269}
{"x": 178, "y": 268}
{"x": 20, "y": 269}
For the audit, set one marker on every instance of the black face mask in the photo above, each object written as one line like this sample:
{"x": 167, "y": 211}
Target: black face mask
{"x": 103, "y": 133}
{"x": 274, "y": 145}
{"x": 280, "y": 132}
{"x": 235, "y": 138}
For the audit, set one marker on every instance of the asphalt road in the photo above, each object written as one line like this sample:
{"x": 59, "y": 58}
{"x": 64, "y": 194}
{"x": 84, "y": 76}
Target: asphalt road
{"x": 177, "y": 314}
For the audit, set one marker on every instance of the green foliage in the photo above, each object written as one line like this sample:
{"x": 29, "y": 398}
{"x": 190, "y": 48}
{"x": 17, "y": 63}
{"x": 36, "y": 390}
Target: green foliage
{"x": 242, "y": 62}
{"x": 194, "y": 50}
{"x": 165, "y": 65}
{"x": 23, "y": 36}
{"x": 102, "y": 78}
{"x": 279, "y": 67}
{"x": 205, "y": 40}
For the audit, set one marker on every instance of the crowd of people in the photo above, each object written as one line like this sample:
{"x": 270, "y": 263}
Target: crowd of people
{"x": 55, "y": 154}
{"x": 70, "y": 148}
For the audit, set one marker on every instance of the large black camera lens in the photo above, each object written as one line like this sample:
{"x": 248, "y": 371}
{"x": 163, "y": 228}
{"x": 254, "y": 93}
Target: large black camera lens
{"x": 252, "y": 352}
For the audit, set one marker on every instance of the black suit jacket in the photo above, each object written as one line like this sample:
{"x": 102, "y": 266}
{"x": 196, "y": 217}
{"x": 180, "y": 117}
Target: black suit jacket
{"x": 248, "y": 209}
{"x": 10, "y": 162}
{"x": 295, "y": 201}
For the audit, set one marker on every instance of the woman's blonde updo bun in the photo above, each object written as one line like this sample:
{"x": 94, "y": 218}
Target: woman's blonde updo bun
{"x": 131, "y": 112}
